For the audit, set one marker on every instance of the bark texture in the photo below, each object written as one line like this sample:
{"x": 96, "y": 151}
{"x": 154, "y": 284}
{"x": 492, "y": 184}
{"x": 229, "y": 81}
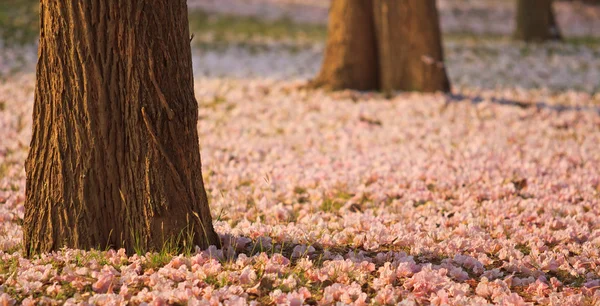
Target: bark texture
{"x": 114, "y": 159}
{"x": 536, "y": 21}
{"x": 409, "y": 43}
{"x": 351, "y": 51}
{"x": 383, "y": 44}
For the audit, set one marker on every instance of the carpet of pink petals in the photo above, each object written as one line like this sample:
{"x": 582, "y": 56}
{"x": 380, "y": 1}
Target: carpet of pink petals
{"x": 487, "y": 196}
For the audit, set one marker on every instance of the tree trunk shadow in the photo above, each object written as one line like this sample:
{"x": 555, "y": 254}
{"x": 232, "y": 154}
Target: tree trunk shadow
{"x": 540, "y": 105}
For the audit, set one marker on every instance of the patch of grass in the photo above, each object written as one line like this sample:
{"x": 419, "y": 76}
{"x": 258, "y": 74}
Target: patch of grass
{"x": 583, "y": 41}
{"x": 98, "y": 256}
{"x": 171, "y": 248}
{"x": 9, "y": 267}
{"x": 216, "y": 101}
{"x": 223, "y": 27}
{"x": 182, "y": 244}
{"x": 331, "y": 205}
{"x": 470, "y": 36}
{"x": 302, "y": 194}
{"x": 567, "y": 279}
{"x": 420, "y": 203}
{"x": 15, "y": 248}
{"x": 343, "y": 195}
{"x": 157, "y": 260}
{"x": 245, "y": 183}
{"x": 19, "y": 21}
{"x": 3, "y": 169}
{"x": 67, "y": 291}
{"x": 523, "y": 248}
{"x": 340, "y": 198}
{"x": 299, "y": 190}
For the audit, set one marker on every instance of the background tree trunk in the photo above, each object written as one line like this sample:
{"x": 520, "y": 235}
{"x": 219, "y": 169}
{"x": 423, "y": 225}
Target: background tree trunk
{"x": 383, "y": 44}
{"x": 409, "y": 43}
{"x": 536, "y": 21}
{"x": 114, "y": 159}
{"x": 350, "y": 55}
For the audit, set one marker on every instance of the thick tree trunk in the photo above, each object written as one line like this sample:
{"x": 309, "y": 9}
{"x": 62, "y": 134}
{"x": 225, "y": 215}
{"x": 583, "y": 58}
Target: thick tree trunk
{"x": 114, "y": 159}
{"x": 383, "y": 44}
{"x": 409, "y": 43}
{"x": 536, "y": 21}
{"x": 350, "y": 56}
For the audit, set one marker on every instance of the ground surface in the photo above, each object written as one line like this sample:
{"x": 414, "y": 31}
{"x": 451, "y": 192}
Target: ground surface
{"x": 490, "y": 195}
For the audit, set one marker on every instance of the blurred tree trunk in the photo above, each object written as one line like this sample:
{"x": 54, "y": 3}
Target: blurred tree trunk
{"x": 351, "y": 55}
{"x": 536, "y": 21}
{"x": 383, "y": 44}
{"x": 114, "y": 158}
{"x": 409, "y": 44}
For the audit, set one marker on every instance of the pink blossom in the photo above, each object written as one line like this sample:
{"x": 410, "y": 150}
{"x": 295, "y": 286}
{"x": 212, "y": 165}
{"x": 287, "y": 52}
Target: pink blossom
{"x": 247, "y": 276}
{"x": 387, "y": 295}
{"x": 104, "y": 283}
{"x": 5, "y": 299}
{"x": 440, "y": 298}
{"x": 346, "y": 294}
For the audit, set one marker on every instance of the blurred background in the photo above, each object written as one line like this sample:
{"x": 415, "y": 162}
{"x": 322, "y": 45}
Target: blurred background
{"x": 284, "y": 39}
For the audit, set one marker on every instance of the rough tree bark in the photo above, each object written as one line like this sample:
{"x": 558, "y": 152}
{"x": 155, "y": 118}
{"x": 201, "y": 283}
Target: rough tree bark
{"x": 383, "y": 44}
{"x": 536, "y": 21}
{"x": 114, "y": 159}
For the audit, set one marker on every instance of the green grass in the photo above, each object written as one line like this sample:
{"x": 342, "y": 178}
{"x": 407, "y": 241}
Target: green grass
{"x": 19, "y": 21}
{"x": 523, "y": 248}
{"x": 335, "y": 202}
{"x": 3, "y": 169}
{"x": 493, "y": 37}
{"x": 224, "y": 27}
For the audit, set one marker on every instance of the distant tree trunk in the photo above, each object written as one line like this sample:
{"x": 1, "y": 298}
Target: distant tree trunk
{"x": 351, "y": 55}
{"x": 114, "y": 159}
{"x": 536, "y": 21}
{"x": 383, "y": 44}
{"x": 409, "y": 43}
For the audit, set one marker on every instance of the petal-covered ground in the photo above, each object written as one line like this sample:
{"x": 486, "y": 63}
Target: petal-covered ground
{"x": 490, "y": 195}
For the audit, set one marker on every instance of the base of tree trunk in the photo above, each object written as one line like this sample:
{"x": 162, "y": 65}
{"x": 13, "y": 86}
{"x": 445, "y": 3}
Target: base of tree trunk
{"x": 383, "y": 45}
{"x": 114, "y": 160}
{"x": 536, "y": 21}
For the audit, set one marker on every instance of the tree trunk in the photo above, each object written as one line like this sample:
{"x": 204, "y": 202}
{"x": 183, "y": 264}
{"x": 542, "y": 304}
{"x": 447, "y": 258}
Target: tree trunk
{"x": 536, "y": 21}
{"x": 383, "y": 44}
{"x": 350, "y": 55}
{"x": 114, "y": 159}
{"x": 409, "y": 43}
{"x": 554, "y": 28}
